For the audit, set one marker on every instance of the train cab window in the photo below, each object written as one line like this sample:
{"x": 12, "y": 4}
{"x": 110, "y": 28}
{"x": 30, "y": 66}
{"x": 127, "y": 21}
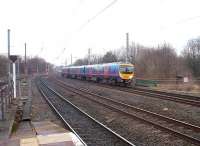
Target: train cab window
{"x": 126, "y": 69}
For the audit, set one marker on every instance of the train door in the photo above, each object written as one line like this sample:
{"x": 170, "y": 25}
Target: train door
{"x": 106, "y": 71}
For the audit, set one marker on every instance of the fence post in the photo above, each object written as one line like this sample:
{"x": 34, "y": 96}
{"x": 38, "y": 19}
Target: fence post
{"x": 2, "y": 106}
{"x": 10, "y": 93}
{"x": 5, "y": 98}
{"x": 12, "y": 89}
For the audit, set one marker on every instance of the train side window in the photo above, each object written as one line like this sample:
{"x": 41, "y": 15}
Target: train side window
{"x": 86, "y": 70}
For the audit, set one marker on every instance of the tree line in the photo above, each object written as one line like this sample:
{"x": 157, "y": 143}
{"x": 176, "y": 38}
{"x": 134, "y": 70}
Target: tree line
{"x": 34, "y": 65}
{"x": 161, "y": 62}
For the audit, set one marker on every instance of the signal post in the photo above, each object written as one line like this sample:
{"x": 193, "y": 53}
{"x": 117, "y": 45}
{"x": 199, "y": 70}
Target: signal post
{"x": 13, "y": 58}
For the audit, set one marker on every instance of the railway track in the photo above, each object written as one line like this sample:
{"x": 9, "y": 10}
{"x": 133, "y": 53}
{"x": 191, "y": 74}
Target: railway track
{"x": 179, "y": 98}
{"x": 189, "y": 97}
{"x": 90, "y": 131}
{"x": 183, "y": 130}
{"x": 185, "y": 99}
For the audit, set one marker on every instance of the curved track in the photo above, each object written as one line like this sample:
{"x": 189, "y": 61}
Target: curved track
{"x": 183, "y": 130}
{"x": 92, "y": 132}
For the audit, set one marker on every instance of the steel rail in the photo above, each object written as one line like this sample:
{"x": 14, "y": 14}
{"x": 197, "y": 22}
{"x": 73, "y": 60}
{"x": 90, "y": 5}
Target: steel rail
{"x": 166, "y": 97}
{"x": 179, "y": 98}
{"x": 194, "y": 127}
{"x": 170, "y": 93}
{"x": 190, "y": 97}
{"x": 102, "y": 125}
{"x": 59, "y": 115}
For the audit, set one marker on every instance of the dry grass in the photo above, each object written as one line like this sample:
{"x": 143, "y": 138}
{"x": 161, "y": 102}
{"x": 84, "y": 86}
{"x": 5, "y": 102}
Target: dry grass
{"x": 186, "y": 87}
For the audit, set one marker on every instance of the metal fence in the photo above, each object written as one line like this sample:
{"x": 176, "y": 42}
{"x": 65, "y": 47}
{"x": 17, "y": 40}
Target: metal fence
{"x": 6, "y": 97}
{"x": 172, "y": 81}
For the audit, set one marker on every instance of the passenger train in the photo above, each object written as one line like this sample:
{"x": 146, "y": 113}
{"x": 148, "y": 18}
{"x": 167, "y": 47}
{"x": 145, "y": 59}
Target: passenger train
{"x": 115, "y": 73}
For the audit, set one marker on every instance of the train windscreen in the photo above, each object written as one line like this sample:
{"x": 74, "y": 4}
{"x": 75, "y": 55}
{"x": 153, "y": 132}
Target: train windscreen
{"x": 126, "y": 69}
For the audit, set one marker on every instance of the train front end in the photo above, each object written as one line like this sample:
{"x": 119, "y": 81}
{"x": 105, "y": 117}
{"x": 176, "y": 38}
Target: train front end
{"x": 126, "y": 73}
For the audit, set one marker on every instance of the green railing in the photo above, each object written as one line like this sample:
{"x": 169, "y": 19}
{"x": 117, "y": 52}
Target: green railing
{"x": 146, "y": 83}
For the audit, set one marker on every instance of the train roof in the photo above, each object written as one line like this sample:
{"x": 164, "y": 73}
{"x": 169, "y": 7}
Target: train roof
{"x": 104, "y": 64}
{"x": 113, "y": 63}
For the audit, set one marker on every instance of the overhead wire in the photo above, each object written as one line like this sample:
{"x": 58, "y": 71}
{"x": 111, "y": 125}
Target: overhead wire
{"x": 187, "y": 19}
{"x": 182, "y": 21}
{"x": 62, "y": 52}
{"x": 97, "y": 14}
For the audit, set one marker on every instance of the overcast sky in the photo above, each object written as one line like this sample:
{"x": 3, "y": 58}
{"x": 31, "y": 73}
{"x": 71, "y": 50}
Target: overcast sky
{"x": 57, "y": 24}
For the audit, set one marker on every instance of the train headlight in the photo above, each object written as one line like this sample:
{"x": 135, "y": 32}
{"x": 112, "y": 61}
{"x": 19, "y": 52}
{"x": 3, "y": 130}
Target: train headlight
{"x": 130, "y": 77}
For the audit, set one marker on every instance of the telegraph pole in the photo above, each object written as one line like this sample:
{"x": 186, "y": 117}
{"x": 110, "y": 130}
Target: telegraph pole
{"x": 133, "y": 52}
{"x": 127, "y": 46}
{"x": 25, "y": 67}
{"x": 18, "y": 67}
{"x": 66, "y": 62}
{"x": 14, "y": 58}
{"x": 47, "y": 68}
{"x": 71, "y": 59}
{"x": 9, "y": 84}
{"x": 37, "y": 68}
{"x": 89, "y": 56}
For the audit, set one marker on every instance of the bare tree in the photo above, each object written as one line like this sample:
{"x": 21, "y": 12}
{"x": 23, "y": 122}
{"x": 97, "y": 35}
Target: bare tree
{"x": 109, "y": 57}
{"x": 96, "y": 59}
{"x": 192, "y": 56}
{"x": 160, "y": 62}
{"x": 83, "y": 61}
{"x": 37, "y": 65}
{"x": 157, "y": 62}
{"x": 3, "y": 66}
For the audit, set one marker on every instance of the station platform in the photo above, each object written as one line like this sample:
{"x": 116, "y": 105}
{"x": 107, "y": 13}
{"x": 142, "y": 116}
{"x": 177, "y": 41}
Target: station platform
{"x": 29, "y": 121}
{"x": 7, "y": 123}
{"x": 50, "y": 133}
{"x": 43, "y": 133}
